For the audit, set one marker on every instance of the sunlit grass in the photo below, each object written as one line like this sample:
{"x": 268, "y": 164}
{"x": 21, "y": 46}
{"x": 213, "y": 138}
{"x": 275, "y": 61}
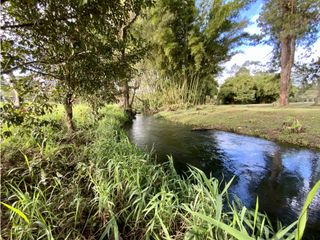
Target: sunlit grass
{"x": 263, "y": 120}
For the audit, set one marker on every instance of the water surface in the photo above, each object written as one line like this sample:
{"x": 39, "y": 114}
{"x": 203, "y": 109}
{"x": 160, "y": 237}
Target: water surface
{"x": 280, "y": 175}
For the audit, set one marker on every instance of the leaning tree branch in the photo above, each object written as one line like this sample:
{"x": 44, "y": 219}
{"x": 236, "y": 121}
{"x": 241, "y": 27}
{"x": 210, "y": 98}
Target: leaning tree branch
{"x": 44, "y": 74}
{"x": 8, "y": 71}
{"x": 23, "y": 65}
{"x": 38, "y": 22}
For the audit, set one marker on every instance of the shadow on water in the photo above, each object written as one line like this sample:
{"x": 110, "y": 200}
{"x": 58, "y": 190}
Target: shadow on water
{"x": 281, "y": 176}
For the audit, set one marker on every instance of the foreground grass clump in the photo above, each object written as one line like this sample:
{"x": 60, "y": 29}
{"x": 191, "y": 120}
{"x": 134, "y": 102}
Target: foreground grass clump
{"x": 93, "y": 184}
{"x": 297, "y": 124}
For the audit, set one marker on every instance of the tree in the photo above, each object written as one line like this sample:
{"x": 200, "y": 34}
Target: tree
{"x": 246, "y": 88}
{"x": 132, "y": 49}
{"x": 191, "y": 39}
{"x": 76, "y": 46}
{"x": 288, "y": 23}
{"x": 309, "y": 74}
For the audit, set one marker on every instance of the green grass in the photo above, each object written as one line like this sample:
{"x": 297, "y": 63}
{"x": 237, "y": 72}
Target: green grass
{"x": 94, "y": 184}
{"x": 263, "y": 120}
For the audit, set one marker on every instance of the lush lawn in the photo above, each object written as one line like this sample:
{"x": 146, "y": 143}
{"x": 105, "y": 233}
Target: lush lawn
{"x": 263, "y": 120}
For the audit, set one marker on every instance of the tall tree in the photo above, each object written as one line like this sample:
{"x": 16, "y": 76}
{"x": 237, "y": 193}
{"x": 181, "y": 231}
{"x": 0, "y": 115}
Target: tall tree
{"x": 192, "y": 38}
{"x": 132, "y": 49}
{"x": 76, "y": 45}
{"x": 288, "y": 23}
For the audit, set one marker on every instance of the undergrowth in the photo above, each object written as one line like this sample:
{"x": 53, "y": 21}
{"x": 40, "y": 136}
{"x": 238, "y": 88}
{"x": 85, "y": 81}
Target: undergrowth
{"x": 94, "y": 184}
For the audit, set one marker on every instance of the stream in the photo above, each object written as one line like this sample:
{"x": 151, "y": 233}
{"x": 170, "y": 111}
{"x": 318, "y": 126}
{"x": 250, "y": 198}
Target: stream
{"x": 280, "y": 175}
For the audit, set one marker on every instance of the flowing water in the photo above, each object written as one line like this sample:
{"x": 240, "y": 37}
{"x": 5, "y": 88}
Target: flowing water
{"x": 280, "y": 175}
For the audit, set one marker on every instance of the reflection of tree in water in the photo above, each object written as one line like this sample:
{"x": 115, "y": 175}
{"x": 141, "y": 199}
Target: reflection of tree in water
{"x": 276, "y": 167}
{"x": 314, "y": 209}
{"x": 206, "y": 155}
{"x": 276, "y": 187}
{"x": 315, "y": 170}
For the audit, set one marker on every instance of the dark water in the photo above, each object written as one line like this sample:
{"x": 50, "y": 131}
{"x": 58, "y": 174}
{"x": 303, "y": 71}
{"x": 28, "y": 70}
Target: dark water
{"x": 280, "y": 175}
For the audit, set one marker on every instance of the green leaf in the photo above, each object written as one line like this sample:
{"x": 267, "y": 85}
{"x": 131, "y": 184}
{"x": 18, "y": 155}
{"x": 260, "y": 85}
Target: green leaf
{"x": 255, "y": 215}
{"x": 283, "y": 232}
{"x": 234, "y": 232}
{"x": 303, "y": 215}
{"x": 17, "y": 211}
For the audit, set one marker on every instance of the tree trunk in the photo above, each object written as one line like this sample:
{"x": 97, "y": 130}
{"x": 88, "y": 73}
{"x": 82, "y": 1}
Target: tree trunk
{"x": 276, "y": 166}
{"x": 69, "y": 112}
{"x": 126, "y": 96}
{"x": 287, "y": 57}
{"x": 16, "y": 98}
{"x": 317, "y": 99}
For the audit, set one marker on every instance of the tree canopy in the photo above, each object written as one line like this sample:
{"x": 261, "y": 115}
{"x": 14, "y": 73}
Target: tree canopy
{"x": 286, "y": 24}
{"x": 246, "y": 88}
{"x": 190, "y": 39}
{"x": 77, "y": 46}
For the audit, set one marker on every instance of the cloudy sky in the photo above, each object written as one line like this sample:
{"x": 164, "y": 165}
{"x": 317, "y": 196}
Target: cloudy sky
{"x": 260, "y": 52}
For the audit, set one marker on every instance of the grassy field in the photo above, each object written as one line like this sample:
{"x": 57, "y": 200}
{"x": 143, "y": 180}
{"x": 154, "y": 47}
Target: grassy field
{"x": 297, "y": 124}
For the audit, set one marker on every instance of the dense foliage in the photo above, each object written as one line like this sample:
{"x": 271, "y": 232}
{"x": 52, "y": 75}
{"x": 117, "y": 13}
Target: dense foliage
{"x": 246, "y": 88}
{"x": 85, "y": 180}
{"x": 83, "y": 49}
{"x": 189, "y": 41}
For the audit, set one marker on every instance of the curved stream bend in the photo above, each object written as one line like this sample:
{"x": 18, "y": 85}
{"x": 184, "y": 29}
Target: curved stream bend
{"x": 280, "y": 175}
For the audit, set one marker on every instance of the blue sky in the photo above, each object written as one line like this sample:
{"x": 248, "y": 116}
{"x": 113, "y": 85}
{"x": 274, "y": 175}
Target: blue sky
{"x": 253, "y": 9}
{"x": 262, "y": 53}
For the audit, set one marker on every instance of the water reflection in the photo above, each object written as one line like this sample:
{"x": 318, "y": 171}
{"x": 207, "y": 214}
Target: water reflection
{"x": 280, "y": 175}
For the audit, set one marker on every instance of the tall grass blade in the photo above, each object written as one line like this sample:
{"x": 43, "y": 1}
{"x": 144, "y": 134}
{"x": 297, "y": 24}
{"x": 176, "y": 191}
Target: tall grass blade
{"x": 255, "y": 215}
{"x": 283, "y": 232}
{"x": 17, "y": 211}
{"x": 302, "y": 221}
{"x": 230, "y": 230}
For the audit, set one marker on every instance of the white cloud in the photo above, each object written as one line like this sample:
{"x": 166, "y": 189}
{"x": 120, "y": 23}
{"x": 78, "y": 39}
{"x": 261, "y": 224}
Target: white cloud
{"x": 261, "y": 53}
{"x": 253, "y": 26}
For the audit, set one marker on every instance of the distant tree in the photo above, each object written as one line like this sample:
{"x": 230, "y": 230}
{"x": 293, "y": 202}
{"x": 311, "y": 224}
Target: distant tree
{"x": 289, "y": 23}
{"x": 309, "y": 76}
{"x": 238, "y": 89}
{"x": 132, "y": 50}
{"x": 246, "y": 88}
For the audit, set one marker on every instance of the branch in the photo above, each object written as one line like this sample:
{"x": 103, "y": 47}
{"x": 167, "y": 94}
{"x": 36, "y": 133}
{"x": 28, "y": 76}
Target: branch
{"x": 22, "y": 65}
{"x": 44, "y": 74}
{"x": 131, "y": 22}
{"x": 8, "y": 71}
{"x": 17, "y": 26}
{"x": 30, "y": 24}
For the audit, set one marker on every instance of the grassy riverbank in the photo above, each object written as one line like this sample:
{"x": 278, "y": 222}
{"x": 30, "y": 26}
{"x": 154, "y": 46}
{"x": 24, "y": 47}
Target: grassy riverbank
{"x": 93, "y": 184}
{"x": 265, "y": 121}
